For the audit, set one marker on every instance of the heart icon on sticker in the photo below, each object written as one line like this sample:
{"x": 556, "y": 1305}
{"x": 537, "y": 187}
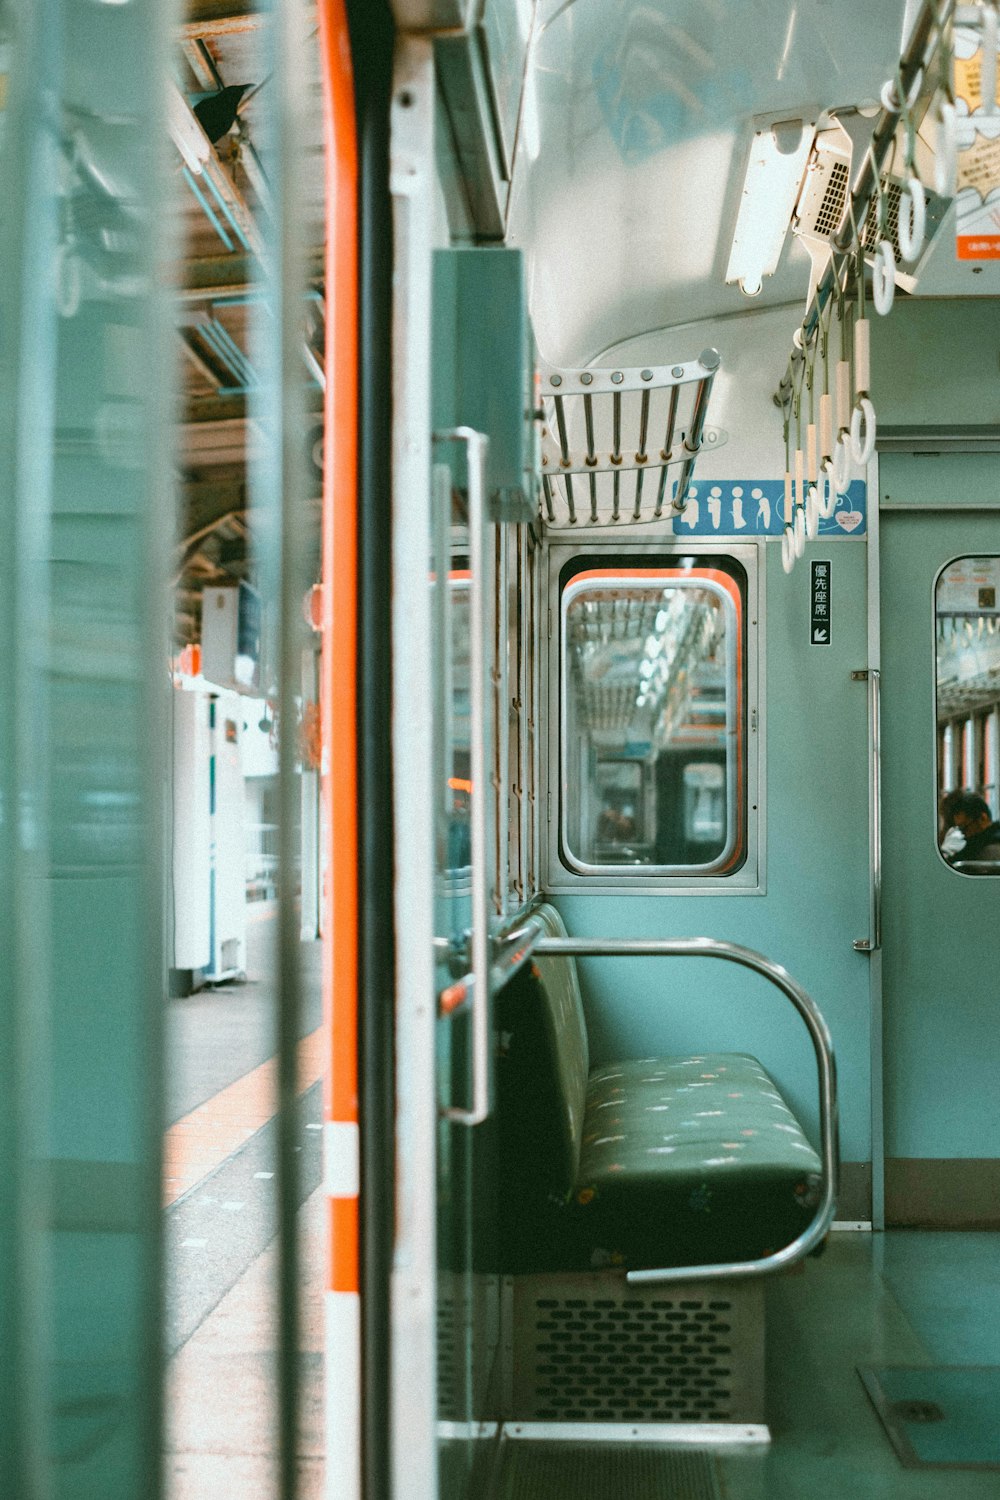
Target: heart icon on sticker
{"x": 850, "y": 520}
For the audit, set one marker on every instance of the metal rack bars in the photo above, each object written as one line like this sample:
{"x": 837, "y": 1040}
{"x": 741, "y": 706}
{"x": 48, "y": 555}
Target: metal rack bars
{"x": 588, "y": 415}
{"x": 925, "y": 37}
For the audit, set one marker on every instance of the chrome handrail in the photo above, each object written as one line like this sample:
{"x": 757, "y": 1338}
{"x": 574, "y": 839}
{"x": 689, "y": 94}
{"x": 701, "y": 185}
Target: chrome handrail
{"x": 515, "y": 946}
{"x": 511, "y": 950}
{"x": 873, "y": 942}
{"x": 826, "y": 1067}
{"x": 476, "y": 444}
{"x": 875, "y": 699}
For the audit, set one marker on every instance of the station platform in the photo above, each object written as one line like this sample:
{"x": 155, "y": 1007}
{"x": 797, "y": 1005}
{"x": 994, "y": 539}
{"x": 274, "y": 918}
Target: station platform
{"x": 221, "y": 1415}
{"x": 220, "y": 1231}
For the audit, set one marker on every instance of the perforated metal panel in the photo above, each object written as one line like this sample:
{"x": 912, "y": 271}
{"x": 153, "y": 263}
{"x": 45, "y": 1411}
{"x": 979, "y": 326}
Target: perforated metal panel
{"x": 453, "y": 1377}
{"x": 870, "y": 235}
{"x": 537, "y": 1471}
{"x": 593, "y": 1349}
{"x": 834, "y": 196}
{"x": 468, "y": 1334}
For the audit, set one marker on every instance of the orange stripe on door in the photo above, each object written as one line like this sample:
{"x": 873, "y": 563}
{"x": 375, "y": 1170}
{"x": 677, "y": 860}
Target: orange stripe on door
{"x": 344, "y": 1259}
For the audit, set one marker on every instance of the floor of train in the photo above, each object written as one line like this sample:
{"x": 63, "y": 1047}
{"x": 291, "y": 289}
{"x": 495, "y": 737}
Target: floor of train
{"x": 905, "y": 1298}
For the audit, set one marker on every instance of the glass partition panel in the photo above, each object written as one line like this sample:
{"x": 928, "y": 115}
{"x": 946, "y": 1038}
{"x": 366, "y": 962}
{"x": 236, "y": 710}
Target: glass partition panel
{"x": 86, "y": 519}
{"x": 467, "y": 1292}
{"x": 967, "y": 676}
{"x": 652, "y": 718}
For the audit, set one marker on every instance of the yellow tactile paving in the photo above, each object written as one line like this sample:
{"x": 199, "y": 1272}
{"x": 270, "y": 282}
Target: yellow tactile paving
{"x": 203, "y": 1139}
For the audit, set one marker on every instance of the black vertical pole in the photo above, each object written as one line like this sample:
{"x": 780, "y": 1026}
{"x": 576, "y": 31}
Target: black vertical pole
{"x": 372, "y": 36}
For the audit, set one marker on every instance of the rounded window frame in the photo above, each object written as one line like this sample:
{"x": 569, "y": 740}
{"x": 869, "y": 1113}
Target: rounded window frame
{"x": 725, "y": 574}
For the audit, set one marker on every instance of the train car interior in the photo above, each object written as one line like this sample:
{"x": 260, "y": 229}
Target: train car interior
{"x": 735, "y": 655}
{"x": 500, "y": 749}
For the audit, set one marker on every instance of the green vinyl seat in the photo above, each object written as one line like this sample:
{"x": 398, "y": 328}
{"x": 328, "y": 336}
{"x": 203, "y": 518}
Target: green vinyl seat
{"x": 662, "y": 1161}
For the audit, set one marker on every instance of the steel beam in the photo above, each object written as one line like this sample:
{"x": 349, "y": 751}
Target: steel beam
{"x": 221, "y": 18}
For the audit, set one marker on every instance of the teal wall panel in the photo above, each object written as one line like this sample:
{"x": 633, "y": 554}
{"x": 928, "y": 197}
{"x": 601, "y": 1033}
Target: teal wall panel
{"x": 934, "y": 362}
{"x": 482, "y": 367}
{"x": 939, "y": 480}
{"x": 816, "y": 863}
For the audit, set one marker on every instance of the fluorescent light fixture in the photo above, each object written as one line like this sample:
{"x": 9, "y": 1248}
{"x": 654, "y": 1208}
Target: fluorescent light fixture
{"x": 778, "y": 156}
{"x": 188, "y": 136}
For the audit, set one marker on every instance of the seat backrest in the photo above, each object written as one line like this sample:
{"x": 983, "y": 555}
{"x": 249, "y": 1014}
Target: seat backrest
{"x": 545, "y": 1072}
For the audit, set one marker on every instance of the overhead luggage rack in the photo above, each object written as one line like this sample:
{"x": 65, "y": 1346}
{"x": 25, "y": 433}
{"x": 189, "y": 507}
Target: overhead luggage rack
{"x": 610, "y": 436}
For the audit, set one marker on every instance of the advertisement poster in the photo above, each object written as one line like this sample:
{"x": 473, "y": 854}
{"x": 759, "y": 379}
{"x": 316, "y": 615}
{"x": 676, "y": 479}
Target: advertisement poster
{"x": 977, "y": 202}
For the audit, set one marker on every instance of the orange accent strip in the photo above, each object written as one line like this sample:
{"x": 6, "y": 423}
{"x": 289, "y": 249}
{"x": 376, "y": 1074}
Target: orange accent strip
{"x": 717, "y": 575}
{"x": 195, "y": 1145}
{"x": 452, "y": 997}
{"x": 338, "y": 672}
{"x": 344, "y": 1260}
{"x": 340, "y": 546}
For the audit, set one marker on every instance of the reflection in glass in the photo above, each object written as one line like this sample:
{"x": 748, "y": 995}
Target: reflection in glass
{"x": 967, "y": 663}
{"x": 652, "y": 719}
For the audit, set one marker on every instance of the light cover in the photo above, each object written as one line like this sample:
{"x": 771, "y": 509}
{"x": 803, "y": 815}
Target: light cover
{"x": 778, "y": 156}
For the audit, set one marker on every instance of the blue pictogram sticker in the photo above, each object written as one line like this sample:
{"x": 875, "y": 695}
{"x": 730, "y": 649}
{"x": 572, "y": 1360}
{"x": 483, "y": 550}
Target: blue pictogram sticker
{"x": 749, "y": 507}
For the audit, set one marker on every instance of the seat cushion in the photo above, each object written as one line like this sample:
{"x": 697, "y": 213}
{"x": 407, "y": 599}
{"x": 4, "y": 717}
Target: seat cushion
{"x": 688, "y": 1160}
{"x": 684, "y": 1161}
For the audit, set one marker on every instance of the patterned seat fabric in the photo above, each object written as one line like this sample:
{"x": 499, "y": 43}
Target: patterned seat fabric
{"x": 679, "y": 1160}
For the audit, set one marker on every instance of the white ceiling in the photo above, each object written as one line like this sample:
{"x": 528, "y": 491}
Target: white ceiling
{"x": 634, "y": 136}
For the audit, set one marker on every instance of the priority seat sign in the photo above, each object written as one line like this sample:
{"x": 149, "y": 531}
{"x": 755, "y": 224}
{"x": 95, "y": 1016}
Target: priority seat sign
{"x": 820, "y": 625}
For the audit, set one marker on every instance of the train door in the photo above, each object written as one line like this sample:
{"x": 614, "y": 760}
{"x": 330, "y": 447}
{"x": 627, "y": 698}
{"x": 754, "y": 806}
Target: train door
{"x": 940, "y": 689}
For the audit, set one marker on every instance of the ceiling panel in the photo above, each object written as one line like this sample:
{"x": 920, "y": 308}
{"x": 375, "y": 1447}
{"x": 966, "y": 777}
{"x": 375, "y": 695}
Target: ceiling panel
{"x": 634, "y": 140}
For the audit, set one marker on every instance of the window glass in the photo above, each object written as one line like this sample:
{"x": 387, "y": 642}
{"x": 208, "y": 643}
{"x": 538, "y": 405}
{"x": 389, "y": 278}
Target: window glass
{"x": 967, "y": 648}
{"x": 652, "y": 717}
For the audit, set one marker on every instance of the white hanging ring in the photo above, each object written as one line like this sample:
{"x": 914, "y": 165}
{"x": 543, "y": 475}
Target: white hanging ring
{"x": 799, "y": 530}
{"x": 912, "y": 219}
{"x": 812, "y": 513}
{"x": 787, "y": 550}
{"x": 841, "y": 465}
{"x": 863, "y": 412}
{"x": 883, "y": 278}
{"x": 945, "y": 151}
{"x": 988, "y": 87}
{"x": 828, "y": 491}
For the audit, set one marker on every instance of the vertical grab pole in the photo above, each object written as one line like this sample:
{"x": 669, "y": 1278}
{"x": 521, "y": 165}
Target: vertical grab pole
{"x": 338, "y": 700}
{"x": 875, "y": 712}
{"x": 284, "y": 486}
{"x": 873, "y": 942}
{"x": 479, "y": 633}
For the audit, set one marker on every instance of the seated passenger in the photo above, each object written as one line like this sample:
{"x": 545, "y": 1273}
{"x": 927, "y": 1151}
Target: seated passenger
{"x": 616, "y": 826}
{"x": 970, "y": 814}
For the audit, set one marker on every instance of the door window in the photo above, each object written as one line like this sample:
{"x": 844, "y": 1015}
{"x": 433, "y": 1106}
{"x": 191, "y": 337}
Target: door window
{"x": 653, "y": 735}
{"x": 967, "y": 681}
